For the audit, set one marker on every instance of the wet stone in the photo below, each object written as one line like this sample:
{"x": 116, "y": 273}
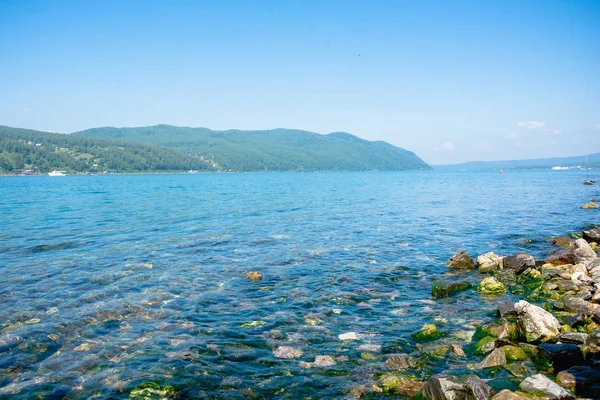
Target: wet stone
{"x": 496, "y": 358}
{"x": 350, "y": 336}
{"x": 324, "y": 361}
{"x": 539, "y": 383}
{"x": 397, "y": 362}
{"x": 561, "y": 356}
{"x": 573, "y": 338}
{"x": 506, "y": 310}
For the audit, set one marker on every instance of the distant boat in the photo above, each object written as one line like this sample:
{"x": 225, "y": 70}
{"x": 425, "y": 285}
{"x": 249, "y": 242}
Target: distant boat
{"x": 501, "y": 171}
{"x": 57, "y": 173}
{"x": 192, "y": 171}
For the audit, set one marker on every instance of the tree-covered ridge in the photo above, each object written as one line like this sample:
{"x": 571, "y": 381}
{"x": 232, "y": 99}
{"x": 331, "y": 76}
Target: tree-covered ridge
{"x": 40, "y": 152}
{"x": 271, "y": 150}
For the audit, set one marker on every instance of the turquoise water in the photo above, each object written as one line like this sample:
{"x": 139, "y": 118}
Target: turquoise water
{"x": 111, "y": 282}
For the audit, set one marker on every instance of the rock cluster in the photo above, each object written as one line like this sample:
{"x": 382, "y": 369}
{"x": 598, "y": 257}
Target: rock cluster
{"x": 554, "y": 330}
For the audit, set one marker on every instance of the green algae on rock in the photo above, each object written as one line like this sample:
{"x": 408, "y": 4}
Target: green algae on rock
{"x": 427, "y": 333}
{"x": 491, "y": 286}
{"x": 441, "y": 289}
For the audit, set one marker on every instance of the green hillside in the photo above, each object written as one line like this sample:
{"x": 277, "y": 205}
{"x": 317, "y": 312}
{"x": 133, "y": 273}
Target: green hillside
{"x": 41, "y": 152}
{"x": 271, "y": 150}
{"x": 588, "y": 161}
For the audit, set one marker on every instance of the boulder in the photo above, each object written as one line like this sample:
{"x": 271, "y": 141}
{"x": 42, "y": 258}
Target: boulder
{"x": 496, "y": 358}
{"x": 589, "y": 206}
{"x": 561, "y": 356}
{"x": 592, "y": 235}
{"x": 584, "y": 378}
{"x": 441, "y": 289}
{"x": 484, "y": 345}
{"x": 461, "y": 260}
{"x": 400, "y": 385}
{"x": 535, "y": 323}
{"x": 563, "y": 241}
{"x": 518, "y": 263}
{"x": 489, "y": 262}
{"x": 491, "y": 286}
{"x": 442, "y": 387}
{"x": 577, "y": 305}
{"x": 579, "y": 252}
{"x": 539, "y": 383}
{"x": 478, "y": 388}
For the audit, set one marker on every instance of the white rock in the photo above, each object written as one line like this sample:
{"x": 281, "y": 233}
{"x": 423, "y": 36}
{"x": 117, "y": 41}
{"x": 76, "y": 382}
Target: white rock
{"x": 539, "y": 383}
{"x": 535, "y": 323}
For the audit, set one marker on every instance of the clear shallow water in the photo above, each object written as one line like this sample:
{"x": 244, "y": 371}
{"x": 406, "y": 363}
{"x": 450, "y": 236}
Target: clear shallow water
{"x": 110, "y": 282}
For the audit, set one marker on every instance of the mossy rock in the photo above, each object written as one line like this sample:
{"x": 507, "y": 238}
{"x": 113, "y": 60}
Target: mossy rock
{"x": 517, "y": 370}
{"x": 427, "y": 333}
{"x": 484, "y": 345}
{"x": 370, "y": 356}
{"x": 441, "y": 289}
{"x": 491, "y": 286}
{"x": 514, "y": 353}
{"x": 394, "y": 384}
{"x": 501, "y": 328}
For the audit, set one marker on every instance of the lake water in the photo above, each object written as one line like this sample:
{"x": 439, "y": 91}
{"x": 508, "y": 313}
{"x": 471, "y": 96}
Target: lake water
{"x": 112, "y": 283}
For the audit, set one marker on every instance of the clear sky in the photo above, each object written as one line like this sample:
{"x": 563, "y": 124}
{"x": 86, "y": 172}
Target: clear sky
{"x": 451, "y": 80}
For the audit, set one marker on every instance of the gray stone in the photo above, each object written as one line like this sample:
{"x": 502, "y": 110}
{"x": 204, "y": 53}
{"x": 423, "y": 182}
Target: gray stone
{"x": 442, "y": 387}
{"x": 579, "y": 252}
{"x": 539, "y": 383}
{"x": 506, "y": 310}
{"x": 519, "y": 263}
{"x": 461, "y": 260}
{"x": 479, "y": 389}
{"x": 573, "y": 338}
{"x": 496, "y": 358}
{"x": 577, "y": 305}
{"x": 535, "y": 323}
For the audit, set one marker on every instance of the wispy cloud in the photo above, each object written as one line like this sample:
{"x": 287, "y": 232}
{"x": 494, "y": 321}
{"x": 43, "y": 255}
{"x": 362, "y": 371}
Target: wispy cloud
{"x": 448, "y": 146}
{"x": 511, "y": 136}
{"x": 531, "y": 124}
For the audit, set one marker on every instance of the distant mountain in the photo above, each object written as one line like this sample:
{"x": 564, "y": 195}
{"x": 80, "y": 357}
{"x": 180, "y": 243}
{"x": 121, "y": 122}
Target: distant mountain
{"x": 270, "y": 150}
{"x": 24, "y": 149}
{"x": 588, "y": 161}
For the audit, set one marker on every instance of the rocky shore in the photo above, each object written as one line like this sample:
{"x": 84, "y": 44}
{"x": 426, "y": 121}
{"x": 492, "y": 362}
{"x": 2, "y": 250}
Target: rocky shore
{"x": 548, "y": 341}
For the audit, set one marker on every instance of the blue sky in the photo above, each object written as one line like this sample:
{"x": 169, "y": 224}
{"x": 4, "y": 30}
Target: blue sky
{"x": 451, "y": 80}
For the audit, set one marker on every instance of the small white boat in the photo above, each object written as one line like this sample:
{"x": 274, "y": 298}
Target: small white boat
{"x": 57, "y": 173}
{"x": 192, "y": 171}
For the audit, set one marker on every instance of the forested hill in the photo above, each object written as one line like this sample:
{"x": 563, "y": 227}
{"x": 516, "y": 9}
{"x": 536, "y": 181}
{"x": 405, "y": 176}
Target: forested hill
{"x": 271, "y": 150}
{"x": 40, "y": 152}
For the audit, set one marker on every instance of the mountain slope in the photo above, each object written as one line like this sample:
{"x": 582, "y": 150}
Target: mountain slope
{"x": 271, "y": 150}
{"x": 43, "y": 152}
{"x": 588, "y": 161}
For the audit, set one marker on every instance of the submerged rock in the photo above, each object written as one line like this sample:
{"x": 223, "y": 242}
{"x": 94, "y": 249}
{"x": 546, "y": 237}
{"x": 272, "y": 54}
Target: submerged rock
{"x": 441, "y": 289}
{"x": 287, "y": 352}
{"x": 539, "y": 383}
{"x": 396, "y": 362}
{"x": 535, "y": 323}
{"x": 324, "y": 361}
{"x": 427, "y": 333}
{"x": 397, "y": 384}
{"x": 254, "y": 276}
{"x": 491, "y": 286}
{"x": 489, "y": 262}
{"x": 461, "y": 260}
